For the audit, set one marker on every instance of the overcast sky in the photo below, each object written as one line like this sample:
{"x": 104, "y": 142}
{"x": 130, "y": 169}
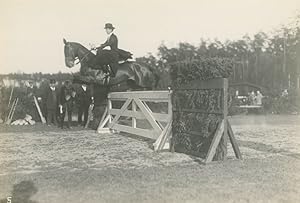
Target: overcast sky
{"x": 31, "y": 31}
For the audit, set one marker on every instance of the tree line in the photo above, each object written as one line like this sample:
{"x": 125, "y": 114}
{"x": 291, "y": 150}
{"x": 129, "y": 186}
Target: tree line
{"x": 270, "y": 60}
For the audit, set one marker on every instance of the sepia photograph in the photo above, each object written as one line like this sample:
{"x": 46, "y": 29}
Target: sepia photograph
{"x": 149, "y": 101}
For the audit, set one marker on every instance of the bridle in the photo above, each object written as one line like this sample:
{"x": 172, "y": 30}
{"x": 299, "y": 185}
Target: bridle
{"x": 71, "y": 52}
{"x": 80, "y": 60}
{"x": 73, "y": 57}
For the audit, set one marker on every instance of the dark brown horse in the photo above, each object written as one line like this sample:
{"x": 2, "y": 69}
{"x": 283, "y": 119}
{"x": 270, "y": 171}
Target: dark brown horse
{"x": 137, "y": 76}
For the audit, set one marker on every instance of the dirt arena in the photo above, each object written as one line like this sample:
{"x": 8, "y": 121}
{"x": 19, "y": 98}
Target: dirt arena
{"x": 83, "y": 166}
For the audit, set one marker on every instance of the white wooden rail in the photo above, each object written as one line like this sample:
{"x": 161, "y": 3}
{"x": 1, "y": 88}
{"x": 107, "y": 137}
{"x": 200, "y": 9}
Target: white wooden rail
{"x": 136, "y": 108}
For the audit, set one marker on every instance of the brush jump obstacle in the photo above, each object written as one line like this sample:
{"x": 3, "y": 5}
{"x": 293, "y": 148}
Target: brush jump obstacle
{"x": 135, "y": 106}
{"x": 212, "y": 144}
{"x": 196, "y": 121}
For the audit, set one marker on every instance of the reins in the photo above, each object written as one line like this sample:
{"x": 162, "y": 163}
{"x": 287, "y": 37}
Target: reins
{"x": 80, "y": 60}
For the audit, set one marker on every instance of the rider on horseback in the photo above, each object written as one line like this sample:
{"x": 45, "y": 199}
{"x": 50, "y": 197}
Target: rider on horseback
{"x": 111, "y": 57}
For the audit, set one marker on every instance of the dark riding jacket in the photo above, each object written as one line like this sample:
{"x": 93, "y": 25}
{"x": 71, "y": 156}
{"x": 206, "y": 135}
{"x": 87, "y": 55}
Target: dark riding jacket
{"x": 112, "y": 42}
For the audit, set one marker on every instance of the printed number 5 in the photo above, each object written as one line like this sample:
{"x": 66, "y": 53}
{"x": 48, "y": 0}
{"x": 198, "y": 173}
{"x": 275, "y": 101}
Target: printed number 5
{"x": 8, "y": 199}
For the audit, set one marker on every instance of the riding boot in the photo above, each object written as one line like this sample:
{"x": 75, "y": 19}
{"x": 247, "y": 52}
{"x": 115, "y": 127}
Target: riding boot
{"x": 114, "y": 68}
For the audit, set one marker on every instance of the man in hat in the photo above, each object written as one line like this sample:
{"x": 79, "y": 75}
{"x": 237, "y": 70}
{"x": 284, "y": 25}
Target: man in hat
{"x": 84, "y": 99}
{"x": 51, "y": 102}
{"x": 66, "y": 103}
{"x": 112, "y": 56}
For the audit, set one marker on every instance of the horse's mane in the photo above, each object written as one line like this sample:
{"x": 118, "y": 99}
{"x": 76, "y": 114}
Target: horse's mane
{"x": 79, "y": 45}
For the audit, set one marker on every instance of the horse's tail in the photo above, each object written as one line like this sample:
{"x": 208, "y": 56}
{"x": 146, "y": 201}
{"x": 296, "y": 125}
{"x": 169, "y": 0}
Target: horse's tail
{"x": 154, "y": 72}
{"x": 156, "y": 76}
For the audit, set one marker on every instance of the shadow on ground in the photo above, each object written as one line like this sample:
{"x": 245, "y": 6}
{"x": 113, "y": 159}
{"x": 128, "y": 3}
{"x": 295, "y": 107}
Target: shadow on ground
{"x": 21, "y": 193}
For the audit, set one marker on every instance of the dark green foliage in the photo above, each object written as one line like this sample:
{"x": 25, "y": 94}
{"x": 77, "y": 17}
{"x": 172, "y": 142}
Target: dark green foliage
{"x": 193, "y": 132}
{"x": 202, "y": 69}
{"x": 196, "y": 112}
{"x": 206, "y": 100}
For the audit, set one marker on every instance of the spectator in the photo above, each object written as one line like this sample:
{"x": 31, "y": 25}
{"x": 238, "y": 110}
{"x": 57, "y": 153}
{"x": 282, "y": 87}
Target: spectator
{"x": 259, "y": 97}
{"x": 28, "y": 101}
{"x": 285, "y": 93}
{"x": 252, "y": 98}
{"x": 236, "y": 93}
{"x": 31, "y": 89}
{"x": 51, "y": 102}
{"x": 84, "y": 99}
{"x": 66, "y": 103}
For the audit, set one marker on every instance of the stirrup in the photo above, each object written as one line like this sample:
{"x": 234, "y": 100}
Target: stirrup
{"x": 106, "y": 79}
{"x": 110, "y": 71}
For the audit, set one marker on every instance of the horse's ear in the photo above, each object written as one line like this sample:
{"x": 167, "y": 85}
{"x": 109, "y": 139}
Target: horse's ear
{"x": 65, "y": 41}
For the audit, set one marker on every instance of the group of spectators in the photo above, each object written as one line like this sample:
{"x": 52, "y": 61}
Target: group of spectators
{"x": 255, "y": 99}
{"x": 252, "y": 99}
{"x": 57, "y": 102}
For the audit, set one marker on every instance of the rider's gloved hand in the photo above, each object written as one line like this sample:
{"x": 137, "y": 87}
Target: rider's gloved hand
{"x": 93, "y": 47}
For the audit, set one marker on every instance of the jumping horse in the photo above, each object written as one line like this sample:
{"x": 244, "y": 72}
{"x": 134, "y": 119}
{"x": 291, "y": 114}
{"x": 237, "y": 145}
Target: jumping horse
{"x": 135, "y": 75}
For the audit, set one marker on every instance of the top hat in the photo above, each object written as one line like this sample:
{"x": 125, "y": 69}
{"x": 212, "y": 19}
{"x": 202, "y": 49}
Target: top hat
{"x": 52, "y": 81}
{"x": 109, "y": 25}
{"x": 67, "y": 83}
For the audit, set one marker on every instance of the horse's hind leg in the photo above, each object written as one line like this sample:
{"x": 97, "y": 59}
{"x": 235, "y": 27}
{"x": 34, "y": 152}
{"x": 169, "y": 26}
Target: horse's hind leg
{"x": 133, "y": 86}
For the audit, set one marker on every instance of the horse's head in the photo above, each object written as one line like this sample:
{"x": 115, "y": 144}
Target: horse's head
{"x": 70, "y": 55}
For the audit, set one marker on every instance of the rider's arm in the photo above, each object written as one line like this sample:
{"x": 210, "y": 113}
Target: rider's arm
{"x": 112, "y": 40}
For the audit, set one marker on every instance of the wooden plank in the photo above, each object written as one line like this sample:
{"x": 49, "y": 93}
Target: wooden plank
{"x": 124, "y": 107}
{"x": 156, "y": 100}
{"x": 10, "y": 111}
{"x": 104, "y": 130}
{"x": 139, "y": 115}
{"x": 13, "y": 111}
{"x": 215, "y": 142}
{"x": 161, "y": 141}
{"x": 160, "y": 138}
{"x": 109, "y": 106}
{"x": 103, "y": 115}
{"x": 133, "y": 117}
{"x": 198, "y": 111}
{"x": 11, "y": 94}
{"x": 101, "y": 125}
{"x": 165, "y": 136}
{"x": 225, "y": 98}
{"x": 150, "y": 111}
{"x": 136, "y": 131}
{"x": 39, "y": 110}
{"x": 170, "y": 106}
{"x": 216, "y": 83}
{"x": 148, "y": 115}
{"x": 225, "y": 113}
{"x": 233, "y": 142}
{"x": 249, "y": 107}
{"x": 139, "y": 94}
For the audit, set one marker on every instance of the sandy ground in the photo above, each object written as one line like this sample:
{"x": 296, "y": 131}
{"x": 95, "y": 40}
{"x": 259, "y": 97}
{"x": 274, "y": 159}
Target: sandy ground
{"x": 82, "y": 166}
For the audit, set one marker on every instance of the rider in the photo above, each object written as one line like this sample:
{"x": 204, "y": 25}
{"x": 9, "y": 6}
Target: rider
{"x": 111, "y": 57}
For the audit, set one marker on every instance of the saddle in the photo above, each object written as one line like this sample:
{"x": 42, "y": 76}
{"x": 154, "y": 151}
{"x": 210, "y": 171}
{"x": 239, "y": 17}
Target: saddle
{"x": 111, "y": 58}
{"x": 123, "y": 57}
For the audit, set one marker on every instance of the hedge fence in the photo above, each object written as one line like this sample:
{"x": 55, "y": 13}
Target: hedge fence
{"x": 198, "y": 111}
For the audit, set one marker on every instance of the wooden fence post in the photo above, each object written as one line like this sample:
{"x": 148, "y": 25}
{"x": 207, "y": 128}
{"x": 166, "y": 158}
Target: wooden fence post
{"x": 133, "y": 118}
{"x": 221, "y": 152}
